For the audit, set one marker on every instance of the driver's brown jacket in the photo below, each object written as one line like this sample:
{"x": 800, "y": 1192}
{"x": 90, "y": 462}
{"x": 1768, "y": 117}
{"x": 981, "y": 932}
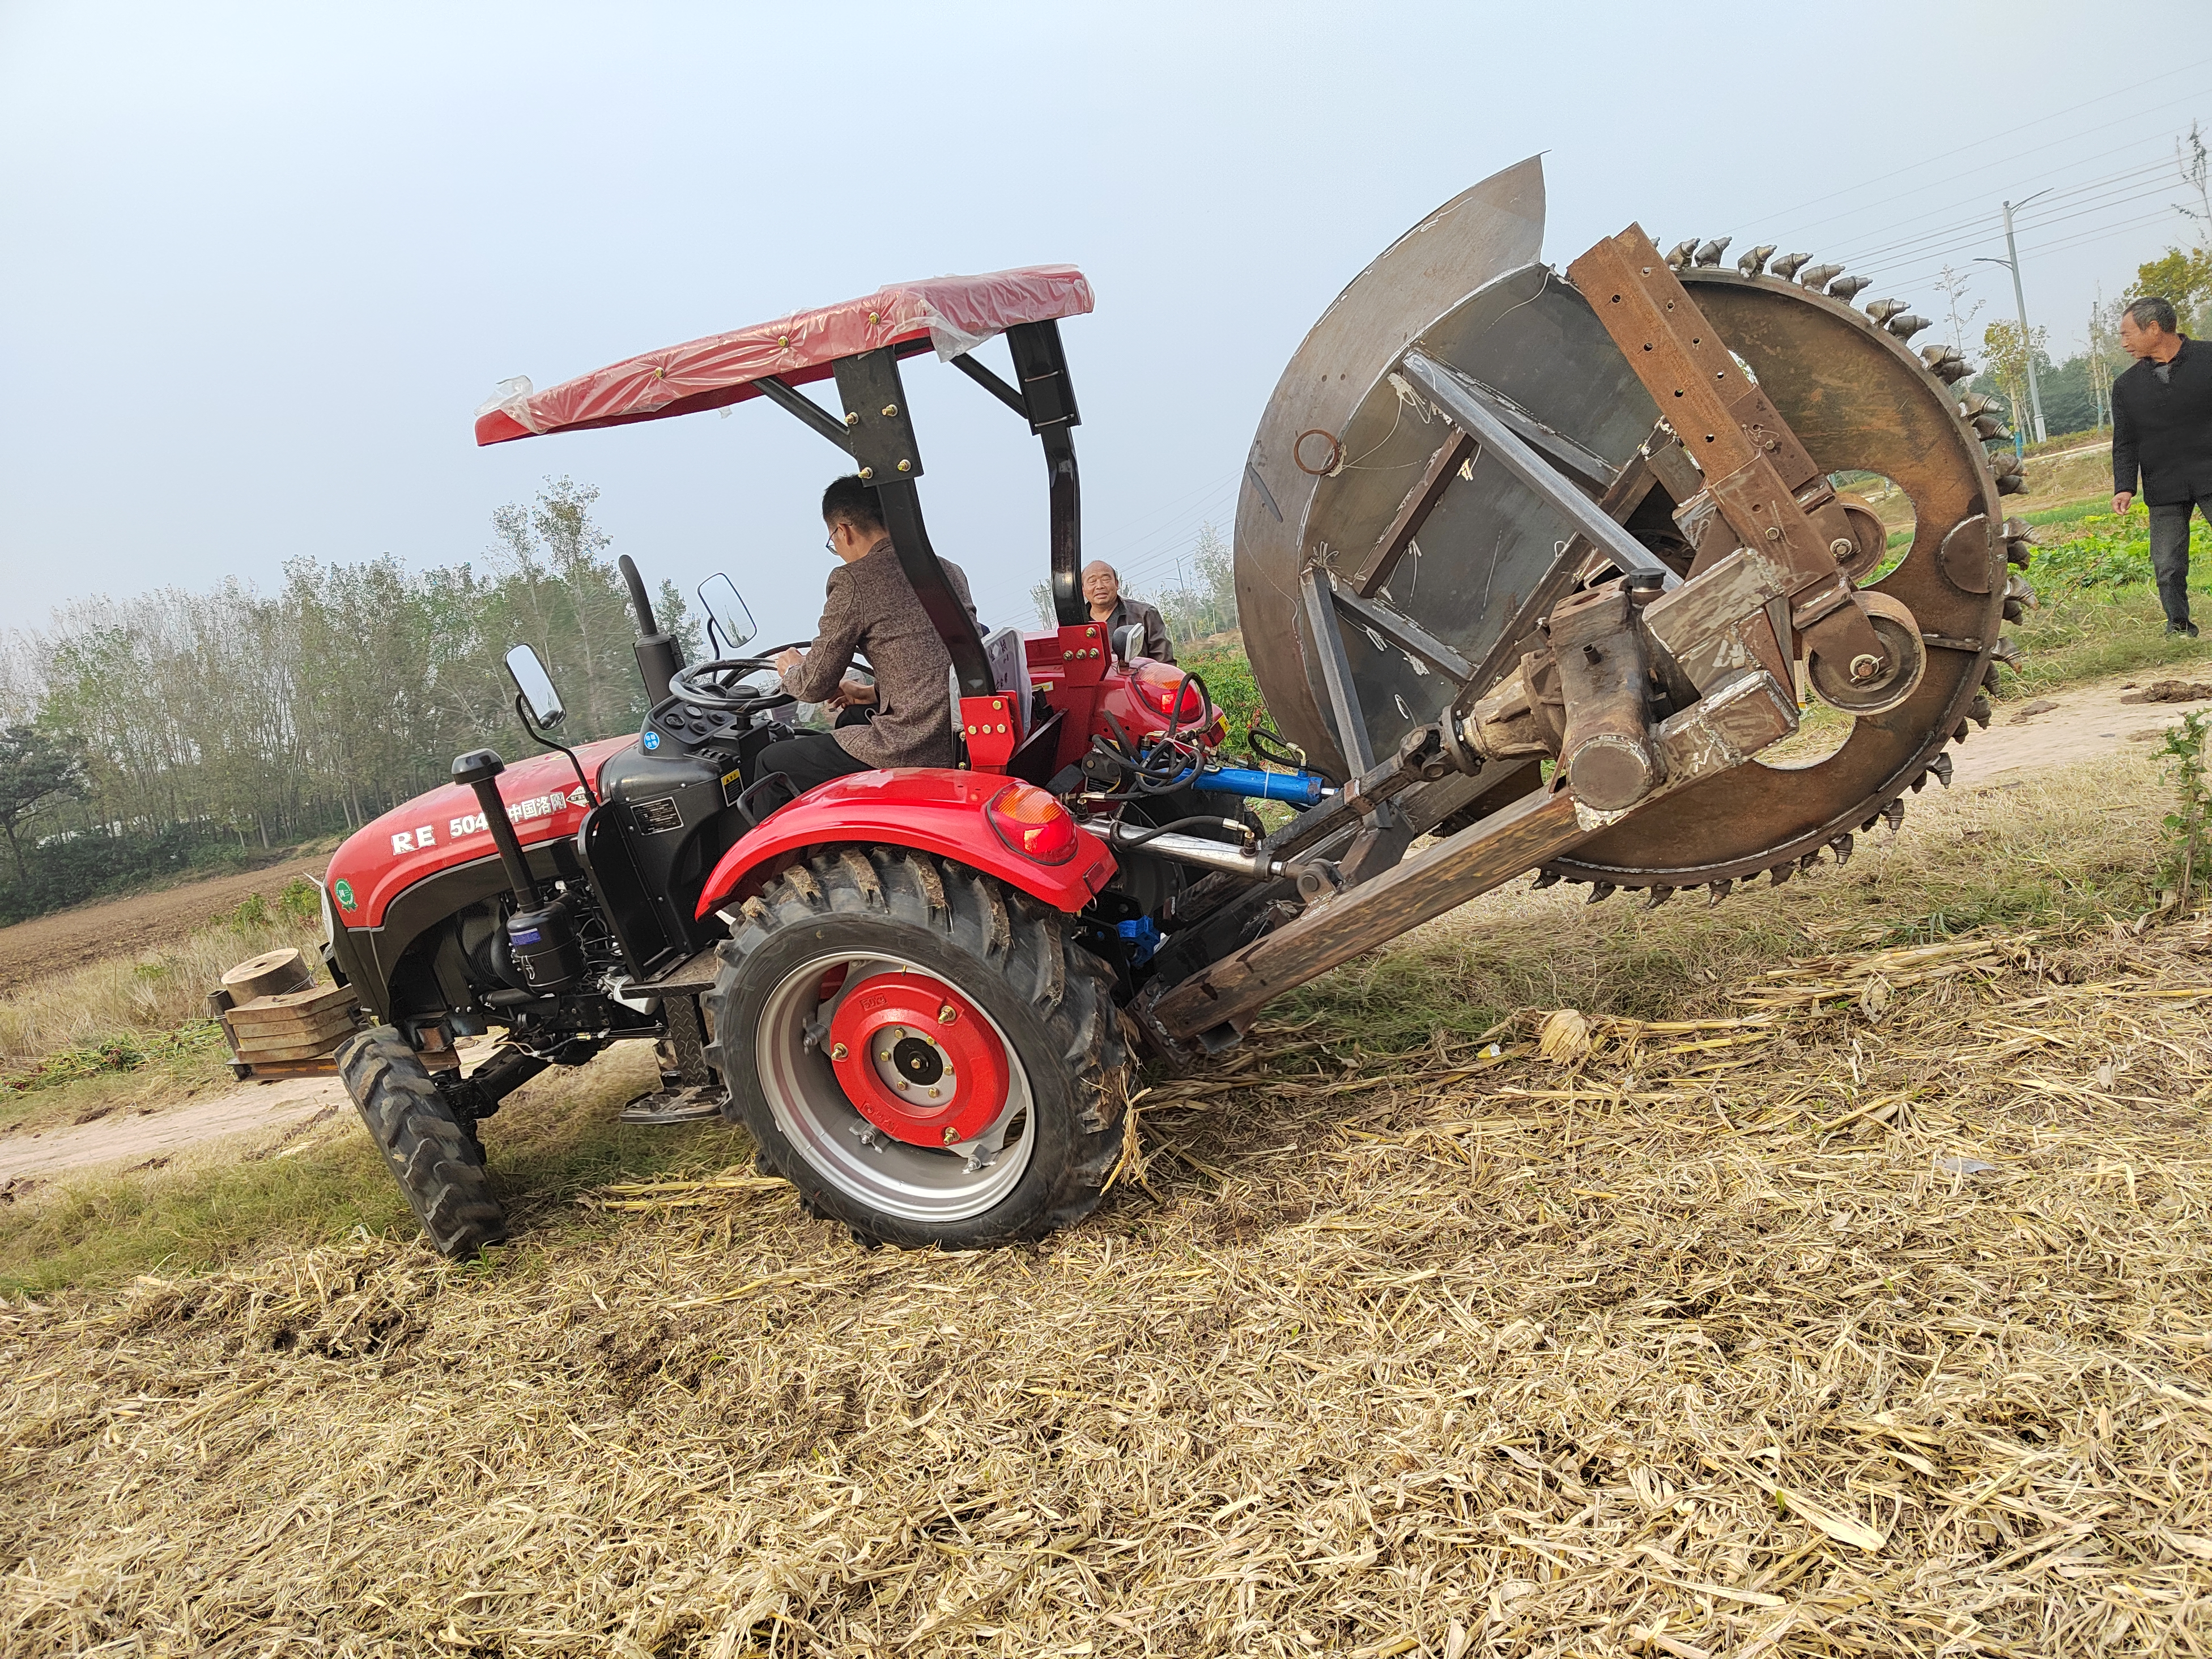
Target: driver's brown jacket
{"x": 871, "y": 610}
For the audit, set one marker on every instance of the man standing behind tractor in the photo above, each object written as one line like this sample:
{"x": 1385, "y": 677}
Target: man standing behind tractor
{"x": 2162, "y": 428}
{"x": 871, "y": 608}
{"x": 1102, "y": 586}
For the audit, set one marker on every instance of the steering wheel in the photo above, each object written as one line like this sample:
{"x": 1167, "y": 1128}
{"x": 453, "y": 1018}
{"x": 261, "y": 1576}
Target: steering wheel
{"x": 719, "y": 686}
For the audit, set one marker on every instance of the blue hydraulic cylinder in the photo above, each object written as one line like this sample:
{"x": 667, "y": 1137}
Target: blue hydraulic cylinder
{"x": 1299, "y": 788}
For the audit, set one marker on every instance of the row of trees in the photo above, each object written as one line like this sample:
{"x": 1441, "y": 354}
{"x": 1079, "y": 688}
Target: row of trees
{"x": 135, "y": 733}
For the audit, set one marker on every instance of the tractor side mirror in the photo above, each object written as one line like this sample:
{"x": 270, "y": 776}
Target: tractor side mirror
{"x": 726, "y": 612}
{"x": 1131, "y": 645}
{"x": 536, "y": 685}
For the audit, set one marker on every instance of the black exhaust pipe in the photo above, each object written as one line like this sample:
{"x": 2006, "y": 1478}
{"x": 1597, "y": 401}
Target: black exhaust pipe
{"x": 541, "y": 940}
{"x": 658, "y": 654}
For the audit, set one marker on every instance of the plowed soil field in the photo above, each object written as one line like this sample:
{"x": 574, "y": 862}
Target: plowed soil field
{"x": 70, "y": 938}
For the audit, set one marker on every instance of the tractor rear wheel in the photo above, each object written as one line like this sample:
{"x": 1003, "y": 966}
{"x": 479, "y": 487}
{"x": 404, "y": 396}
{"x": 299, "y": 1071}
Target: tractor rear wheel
{"x": 925, "y": 1053}
{"x": 434, "y": 1156}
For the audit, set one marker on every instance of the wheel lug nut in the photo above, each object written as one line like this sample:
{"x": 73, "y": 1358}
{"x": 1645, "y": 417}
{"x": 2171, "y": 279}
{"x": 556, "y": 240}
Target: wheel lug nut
{"x": 951, "y": 1134}
{"x": 947, "y": 1014}
{"x": 838, "y": 1052}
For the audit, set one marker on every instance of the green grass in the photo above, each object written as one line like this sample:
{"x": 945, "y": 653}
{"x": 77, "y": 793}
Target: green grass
{"x": 2072, "y": 513}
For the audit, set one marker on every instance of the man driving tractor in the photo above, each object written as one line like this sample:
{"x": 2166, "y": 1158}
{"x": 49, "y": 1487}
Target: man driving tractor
{"x": 870, "y": 609}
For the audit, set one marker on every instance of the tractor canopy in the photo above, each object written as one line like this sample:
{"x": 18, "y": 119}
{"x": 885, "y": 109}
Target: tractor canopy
{"x": 954, "y": 314}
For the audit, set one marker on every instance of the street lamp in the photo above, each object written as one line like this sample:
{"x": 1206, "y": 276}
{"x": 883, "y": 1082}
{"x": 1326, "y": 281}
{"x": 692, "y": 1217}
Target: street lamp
{"x": 2020, "y": 300}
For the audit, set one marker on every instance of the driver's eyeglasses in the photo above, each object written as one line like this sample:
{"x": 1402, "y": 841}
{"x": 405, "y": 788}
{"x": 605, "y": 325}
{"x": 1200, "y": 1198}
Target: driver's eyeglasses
{"x": 829, "y": 542}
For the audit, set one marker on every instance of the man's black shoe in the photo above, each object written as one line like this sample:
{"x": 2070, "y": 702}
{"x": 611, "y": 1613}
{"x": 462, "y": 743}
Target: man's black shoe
{"x": 2188, "y": 628}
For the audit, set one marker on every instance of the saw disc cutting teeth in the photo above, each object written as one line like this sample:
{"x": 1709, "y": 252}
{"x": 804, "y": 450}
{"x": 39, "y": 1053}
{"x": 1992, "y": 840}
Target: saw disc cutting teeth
{"x": 1941, "y": 767}
{"x": 1841, "y": 847}
{"x": 1894, "y": 814}
{"x": 1840, "y": 377}
{"x": 1980, "y": 711}
{"x": 1658, "y": 897}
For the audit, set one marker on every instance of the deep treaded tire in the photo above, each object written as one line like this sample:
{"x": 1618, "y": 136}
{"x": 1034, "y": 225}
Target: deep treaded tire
{"x": 436, "y": 1161}
{"x": 1017, "y": 960}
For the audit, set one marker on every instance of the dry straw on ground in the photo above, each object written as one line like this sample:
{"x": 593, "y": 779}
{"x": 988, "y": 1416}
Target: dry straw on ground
{"x": 1862, "y": 1308}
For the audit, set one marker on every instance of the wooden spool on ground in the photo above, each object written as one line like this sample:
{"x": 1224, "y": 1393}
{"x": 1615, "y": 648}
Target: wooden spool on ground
{"x": 272, "y": 973}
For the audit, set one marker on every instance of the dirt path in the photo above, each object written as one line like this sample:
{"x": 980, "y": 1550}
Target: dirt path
{"x": 70, "y": 938}
{"x": 2075, "y": 723}
{"x": 154, "y": 1137}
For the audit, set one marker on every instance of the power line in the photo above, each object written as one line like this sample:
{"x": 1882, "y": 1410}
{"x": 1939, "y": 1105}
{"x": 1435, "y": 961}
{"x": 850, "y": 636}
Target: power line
{"x": 1907, "y": 245}
{"x": 1978, "y": 236}
{"x": 1890, "y": 177}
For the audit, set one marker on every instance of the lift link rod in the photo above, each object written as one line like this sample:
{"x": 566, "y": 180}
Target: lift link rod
{"x": 1762, "y": 480}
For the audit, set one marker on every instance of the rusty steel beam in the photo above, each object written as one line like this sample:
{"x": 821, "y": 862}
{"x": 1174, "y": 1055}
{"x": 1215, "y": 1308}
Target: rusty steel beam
{"x": 1527, "y": 833}
{"x": 1764, "y": 483}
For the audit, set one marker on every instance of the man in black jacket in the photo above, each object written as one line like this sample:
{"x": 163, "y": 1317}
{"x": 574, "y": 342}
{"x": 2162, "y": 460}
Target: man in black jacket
{"x": 2162, "y": 429}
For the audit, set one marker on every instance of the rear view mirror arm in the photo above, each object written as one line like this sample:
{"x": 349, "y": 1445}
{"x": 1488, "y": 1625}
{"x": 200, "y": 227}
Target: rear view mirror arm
{"x": 545, "y": 740}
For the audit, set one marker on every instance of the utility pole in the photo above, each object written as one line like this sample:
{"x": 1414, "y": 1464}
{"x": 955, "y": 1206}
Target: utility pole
{"x": 2011, "y": 262}
{"x": 2026, "y": 339}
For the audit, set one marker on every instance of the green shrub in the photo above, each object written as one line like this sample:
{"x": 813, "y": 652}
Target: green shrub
{"x": 2109, "y": 552}
{"x": 301, "y": 899}
{"x": 1228, "y": 676}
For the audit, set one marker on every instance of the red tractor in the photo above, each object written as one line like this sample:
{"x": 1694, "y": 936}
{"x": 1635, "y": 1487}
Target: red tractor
{"x": 1541, "y": 563}
{"x": 907, "y": 984}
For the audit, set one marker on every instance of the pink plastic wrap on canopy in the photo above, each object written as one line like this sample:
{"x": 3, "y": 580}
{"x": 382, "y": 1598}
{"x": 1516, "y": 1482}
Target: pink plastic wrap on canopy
{"x": 954, "y": 313}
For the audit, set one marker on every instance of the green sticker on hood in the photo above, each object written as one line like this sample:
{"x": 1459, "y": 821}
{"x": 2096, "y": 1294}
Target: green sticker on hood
{"x": 344, "y": 892}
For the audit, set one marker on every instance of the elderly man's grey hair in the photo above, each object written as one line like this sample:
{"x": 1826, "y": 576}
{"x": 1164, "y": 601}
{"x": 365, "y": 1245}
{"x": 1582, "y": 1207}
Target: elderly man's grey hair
{"x": 2152, "y": 312}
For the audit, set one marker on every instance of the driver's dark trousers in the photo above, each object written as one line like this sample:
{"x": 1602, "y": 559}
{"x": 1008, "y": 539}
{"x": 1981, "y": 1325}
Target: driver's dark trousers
{"x": 812, "y": 757}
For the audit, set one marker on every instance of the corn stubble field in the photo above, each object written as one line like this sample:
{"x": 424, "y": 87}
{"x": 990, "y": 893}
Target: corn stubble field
{"x": 1859, "y": 1305}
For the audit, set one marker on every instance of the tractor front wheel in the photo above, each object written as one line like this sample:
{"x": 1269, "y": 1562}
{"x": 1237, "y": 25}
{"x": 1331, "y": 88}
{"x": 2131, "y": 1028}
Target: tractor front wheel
{"x": 436, "y": 1158}
{"x": 925, "y": 1053}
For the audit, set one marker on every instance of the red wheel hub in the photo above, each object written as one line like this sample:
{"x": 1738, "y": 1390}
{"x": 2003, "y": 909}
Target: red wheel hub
{"x": 918, "y": 1060}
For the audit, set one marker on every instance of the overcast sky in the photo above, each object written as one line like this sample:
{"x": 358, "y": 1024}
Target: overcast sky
{"x": 263, "y": 262}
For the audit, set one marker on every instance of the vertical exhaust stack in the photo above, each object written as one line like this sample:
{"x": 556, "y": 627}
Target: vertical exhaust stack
{"x": 658, "y": 654}
{"x": 541, "y": 939}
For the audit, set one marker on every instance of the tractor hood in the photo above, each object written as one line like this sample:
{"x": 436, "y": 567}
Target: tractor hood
{"x": 442, "y": 828}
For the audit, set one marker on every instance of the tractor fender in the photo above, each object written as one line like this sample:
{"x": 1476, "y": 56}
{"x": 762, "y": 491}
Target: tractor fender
{"x": 928, "y": 809}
